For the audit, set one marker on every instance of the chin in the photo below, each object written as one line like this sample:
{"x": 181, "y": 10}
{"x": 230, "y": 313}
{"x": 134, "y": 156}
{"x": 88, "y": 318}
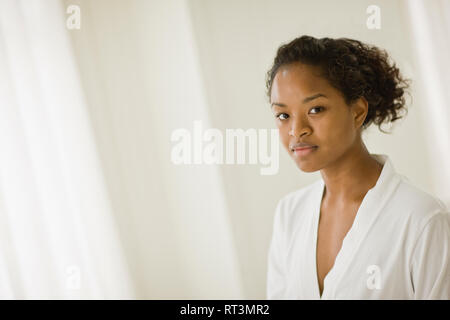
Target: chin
{"x": 305, "y": 167}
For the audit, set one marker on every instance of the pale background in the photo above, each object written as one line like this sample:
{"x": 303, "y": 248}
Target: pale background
{"x": 147, "y": 68}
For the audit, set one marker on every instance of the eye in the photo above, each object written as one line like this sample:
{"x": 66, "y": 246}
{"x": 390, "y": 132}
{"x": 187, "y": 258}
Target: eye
{"x": 280, "y": 114}
{"x": 318, "y": 107}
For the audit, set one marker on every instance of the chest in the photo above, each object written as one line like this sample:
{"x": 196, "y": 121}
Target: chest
{"x": 334, "y": 224}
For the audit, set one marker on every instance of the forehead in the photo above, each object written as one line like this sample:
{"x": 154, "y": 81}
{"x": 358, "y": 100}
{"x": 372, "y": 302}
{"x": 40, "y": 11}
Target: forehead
{"x": 297, "y": 81}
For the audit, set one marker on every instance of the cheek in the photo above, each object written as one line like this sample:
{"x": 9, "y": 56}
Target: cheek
{"x": 336, "y": 134}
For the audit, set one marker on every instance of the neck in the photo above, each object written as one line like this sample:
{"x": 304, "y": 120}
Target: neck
{"x": 350, "y": 177}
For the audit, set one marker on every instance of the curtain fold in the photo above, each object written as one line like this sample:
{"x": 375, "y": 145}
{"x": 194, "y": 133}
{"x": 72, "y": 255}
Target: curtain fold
{"x": 430, "y": 26}
{"x": 58, "y": 237}
{"x": 143, "y": 77}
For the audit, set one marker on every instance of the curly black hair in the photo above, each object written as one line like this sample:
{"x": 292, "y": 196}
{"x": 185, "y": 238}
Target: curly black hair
{"x": 354, "y": 68}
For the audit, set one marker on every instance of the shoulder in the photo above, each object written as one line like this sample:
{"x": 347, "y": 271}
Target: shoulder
{"x": 419, "y": 206}
{"x": 293, "y": 198}
{"x": 291, "y": 204}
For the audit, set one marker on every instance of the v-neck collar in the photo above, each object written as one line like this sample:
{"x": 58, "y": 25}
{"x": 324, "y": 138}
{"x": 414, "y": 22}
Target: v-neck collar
{"x": 374, "y": 198}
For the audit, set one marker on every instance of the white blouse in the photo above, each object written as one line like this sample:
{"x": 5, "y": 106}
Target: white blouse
{"x": 397, "y": 248}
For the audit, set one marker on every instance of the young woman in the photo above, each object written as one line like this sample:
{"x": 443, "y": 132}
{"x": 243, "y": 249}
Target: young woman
{"x": 362, "y": 231}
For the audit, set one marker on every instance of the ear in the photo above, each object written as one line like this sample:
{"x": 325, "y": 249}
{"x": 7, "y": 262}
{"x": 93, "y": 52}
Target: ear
{"x": 359, "y": 110}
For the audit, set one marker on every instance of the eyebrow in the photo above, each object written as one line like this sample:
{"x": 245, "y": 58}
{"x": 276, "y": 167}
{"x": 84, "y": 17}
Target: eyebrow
{"x": 307, "y": 99}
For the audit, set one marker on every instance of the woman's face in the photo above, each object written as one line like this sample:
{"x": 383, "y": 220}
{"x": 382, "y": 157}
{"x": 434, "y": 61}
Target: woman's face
{"x": 309, "y": 110}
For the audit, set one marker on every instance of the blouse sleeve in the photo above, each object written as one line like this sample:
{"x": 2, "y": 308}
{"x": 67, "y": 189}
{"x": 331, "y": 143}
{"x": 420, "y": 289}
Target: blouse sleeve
{"x": 276, "y": 271}
{"x": 430, "y": 268}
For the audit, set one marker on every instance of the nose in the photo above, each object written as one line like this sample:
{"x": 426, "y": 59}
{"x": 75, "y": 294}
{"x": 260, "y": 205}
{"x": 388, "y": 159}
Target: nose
{"x": 300, "y": 127}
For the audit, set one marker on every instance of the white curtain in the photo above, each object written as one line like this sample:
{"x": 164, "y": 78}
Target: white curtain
{"x": 142, "y": 75}
{"x": 57, "y": 235}
{"x": 430, "y": 35}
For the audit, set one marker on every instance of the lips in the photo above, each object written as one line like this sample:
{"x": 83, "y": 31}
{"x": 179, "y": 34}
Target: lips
{"x": 305, "y": 148}
{"x": 305, "y": 151}
{"x": 302, "y": 146}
